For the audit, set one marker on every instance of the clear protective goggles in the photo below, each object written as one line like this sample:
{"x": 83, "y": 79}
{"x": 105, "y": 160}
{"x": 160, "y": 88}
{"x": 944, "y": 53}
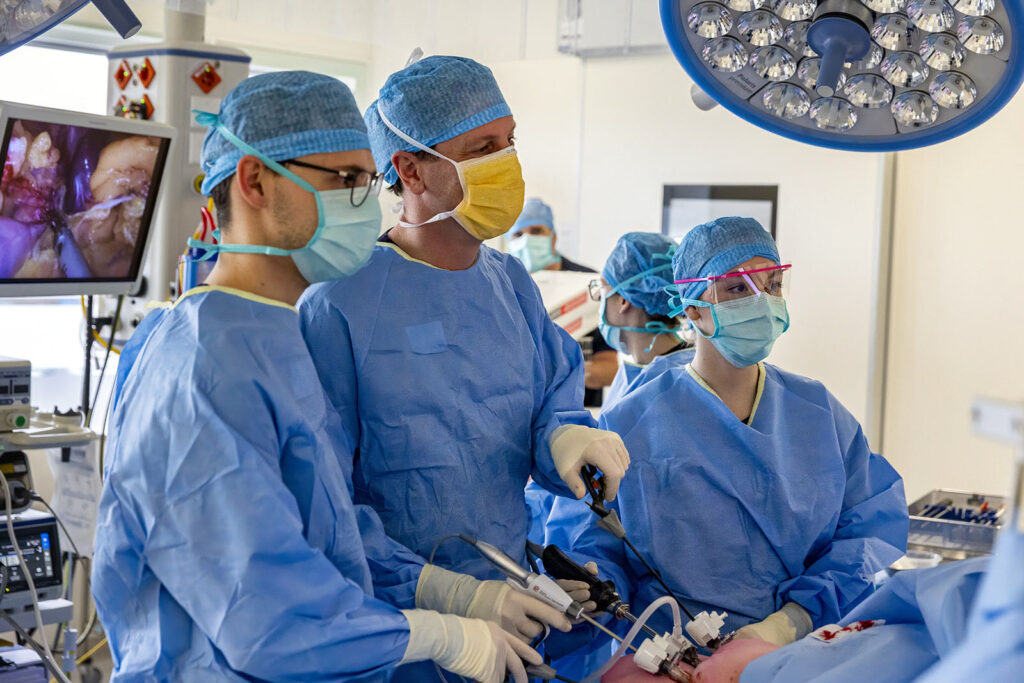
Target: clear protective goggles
{"x": 735, "y": 285}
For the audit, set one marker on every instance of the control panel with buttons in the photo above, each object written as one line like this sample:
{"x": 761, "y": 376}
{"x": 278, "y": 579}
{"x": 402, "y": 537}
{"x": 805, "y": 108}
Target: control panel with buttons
{"x": 15, "y": 394}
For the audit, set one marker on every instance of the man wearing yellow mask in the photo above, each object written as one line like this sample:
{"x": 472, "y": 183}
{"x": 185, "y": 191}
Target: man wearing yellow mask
{"x": 451, "y": 380}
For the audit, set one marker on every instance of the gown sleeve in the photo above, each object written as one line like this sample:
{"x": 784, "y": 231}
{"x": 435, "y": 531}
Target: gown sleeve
{"x": 560, "y": 381}
{"x": 274, "y": 605}
{"x": 871, "y": 534}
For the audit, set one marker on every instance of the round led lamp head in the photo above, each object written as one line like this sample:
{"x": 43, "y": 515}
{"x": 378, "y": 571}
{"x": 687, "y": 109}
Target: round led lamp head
{"x": 870, "y": 75}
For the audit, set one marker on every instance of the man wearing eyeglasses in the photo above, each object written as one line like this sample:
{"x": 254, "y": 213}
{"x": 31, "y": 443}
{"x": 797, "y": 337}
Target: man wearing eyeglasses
{"x": 228, "y": 546}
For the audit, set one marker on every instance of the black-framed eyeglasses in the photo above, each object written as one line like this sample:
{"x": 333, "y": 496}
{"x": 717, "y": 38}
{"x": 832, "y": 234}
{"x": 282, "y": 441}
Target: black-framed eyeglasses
{"x": 594, "y": 286}
{"x": 363, "y": 183}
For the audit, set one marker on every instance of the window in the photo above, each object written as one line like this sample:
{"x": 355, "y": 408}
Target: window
{"x": 48, "y": 77}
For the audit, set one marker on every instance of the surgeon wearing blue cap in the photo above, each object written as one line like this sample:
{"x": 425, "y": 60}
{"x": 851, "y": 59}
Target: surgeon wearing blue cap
{"x": 752, "y": 489}
{"x": 634, "y": 317}
{"x": 228, "y": 546}
{"x": 439, "y": 356}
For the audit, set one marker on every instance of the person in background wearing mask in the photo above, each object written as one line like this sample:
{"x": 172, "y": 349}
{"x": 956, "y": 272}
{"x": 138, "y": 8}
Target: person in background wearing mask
{"x": 752, "y": 489}
{"x": 450, "y": 379}
{"x": 228, "y": 546}
{"x": 532, "y": 240}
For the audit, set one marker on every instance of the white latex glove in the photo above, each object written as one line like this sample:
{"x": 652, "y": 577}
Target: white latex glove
{"x": 477, "y": 649}
{"x": 573, "y": 446}
{"x": 788, "y": 625}
{"x": 520, "y": 614}
{"x": 580, "y": 590}
{"x": 451, "y": 593}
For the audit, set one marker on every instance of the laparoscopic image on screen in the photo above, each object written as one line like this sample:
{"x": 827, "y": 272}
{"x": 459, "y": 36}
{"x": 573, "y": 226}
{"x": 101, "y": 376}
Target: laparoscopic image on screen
{"x": 73, "y": 201}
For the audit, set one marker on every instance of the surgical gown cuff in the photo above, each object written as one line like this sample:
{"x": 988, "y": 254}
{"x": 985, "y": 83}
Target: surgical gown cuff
{"x": 445, "y": 591}
{"x": 817, "y": 595}
{"x": 799, "y": 618}
{"x": 429, "y": 634}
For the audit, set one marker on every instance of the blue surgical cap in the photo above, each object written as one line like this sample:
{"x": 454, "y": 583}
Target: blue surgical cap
{"x": 634, "y": 253}
{"x": 284, "y": 114}
{"x": 535, "y": 212}
{"x": 717, "y": 247}
{"x": 432, "y": 100}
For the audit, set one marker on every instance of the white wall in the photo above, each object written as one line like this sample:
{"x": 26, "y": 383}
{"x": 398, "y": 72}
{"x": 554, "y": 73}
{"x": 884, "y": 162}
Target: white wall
{"x": 958, "y": 305}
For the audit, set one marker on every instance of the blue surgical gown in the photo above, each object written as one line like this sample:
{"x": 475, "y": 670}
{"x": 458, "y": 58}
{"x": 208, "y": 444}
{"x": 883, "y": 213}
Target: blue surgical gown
{"x": 793, "y": 507}
{"x": 925, "y": 613}
{"x": 227, "y": 545}
{"x": 993, "y": 650}
{"x": 630, "y": 376}
{"x": 451, "y": 384}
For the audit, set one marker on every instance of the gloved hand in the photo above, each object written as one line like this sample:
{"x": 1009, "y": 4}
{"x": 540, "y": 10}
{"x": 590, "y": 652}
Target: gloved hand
{"x": 452, "y": 593}
{"x": 573, "y": 446}
{"x": 520, "y": 614}
{"x": 789, "y": 624}
{"x": 479, "y": 650}
{"x": 580, "y": 590}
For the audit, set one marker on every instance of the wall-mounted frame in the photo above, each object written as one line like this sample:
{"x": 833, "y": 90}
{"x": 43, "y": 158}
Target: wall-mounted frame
{"x": 687, "y": 206}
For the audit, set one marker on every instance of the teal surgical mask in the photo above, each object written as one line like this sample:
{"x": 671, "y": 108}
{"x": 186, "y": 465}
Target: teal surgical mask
{"x": 611, "y": 333}
{"x": 535, "y": 251}
{"x": 746, "y": 329}
{"x": 345, "y": 235}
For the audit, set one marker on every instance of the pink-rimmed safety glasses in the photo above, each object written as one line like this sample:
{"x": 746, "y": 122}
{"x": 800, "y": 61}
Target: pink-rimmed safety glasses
{"x": 740, "y": 283}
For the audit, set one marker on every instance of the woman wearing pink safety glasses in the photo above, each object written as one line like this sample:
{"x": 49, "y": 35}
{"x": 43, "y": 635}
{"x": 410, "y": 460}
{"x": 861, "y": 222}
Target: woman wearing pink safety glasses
{"x": 751, "y": 489}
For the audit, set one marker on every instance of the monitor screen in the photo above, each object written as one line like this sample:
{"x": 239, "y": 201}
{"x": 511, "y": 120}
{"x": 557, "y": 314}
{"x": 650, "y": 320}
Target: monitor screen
{"x": 76, "y": 202}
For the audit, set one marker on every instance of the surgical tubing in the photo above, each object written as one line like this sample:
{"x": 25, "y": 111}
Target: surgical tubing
{"x": 677, "y": 630}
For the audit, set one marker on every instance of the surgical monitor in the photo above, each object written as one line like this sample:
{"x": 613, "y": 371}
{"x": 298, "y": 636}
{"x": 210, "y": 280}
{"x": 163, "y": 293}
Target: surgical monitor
{"x": 77, "y": 199}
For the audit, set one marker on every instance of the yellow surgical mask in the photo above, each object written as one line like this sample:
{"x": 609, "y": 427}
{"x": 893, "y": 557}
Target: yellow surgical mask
{"x": 492, "y": 190}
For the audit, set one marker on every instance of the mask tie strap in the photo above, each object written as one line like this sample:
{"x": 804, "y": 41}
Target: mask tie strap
{"x": 411, "y": 141}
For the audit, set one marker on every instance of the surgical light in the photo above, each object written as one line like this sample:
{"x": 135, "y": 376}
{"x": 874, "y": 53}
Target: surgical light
{"x": 772, "y": 63}
{"x": 886, "y": 6}
{"x": 904, "y": 69}
{"x": 786, "y": 100}
{"x": 809, "y": 72}
{"x": 795, "y": 38}
{"x": 952, "y": 90}
{"x": 931, "y": 15}
{"x": 893, "y": 32}
{"x": 868, "y": 91}
{"x": 760, "y": 28}
{"x": 745, "y": 5}
{"x": 941, "y": 51}
{"x": 724, "y": 54}
{"x": 870, "y": 75}
{"x": 975, "y": 8}
{"x": 914, "y": 108}
{"x": 25, "y": 20}
{"x": 794, "y": 10}
{"x": 709, "y": 20}
{"x": 869, "y": 61}
{"x": 981, "y": 35}
{"x": 833, "y": 113}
